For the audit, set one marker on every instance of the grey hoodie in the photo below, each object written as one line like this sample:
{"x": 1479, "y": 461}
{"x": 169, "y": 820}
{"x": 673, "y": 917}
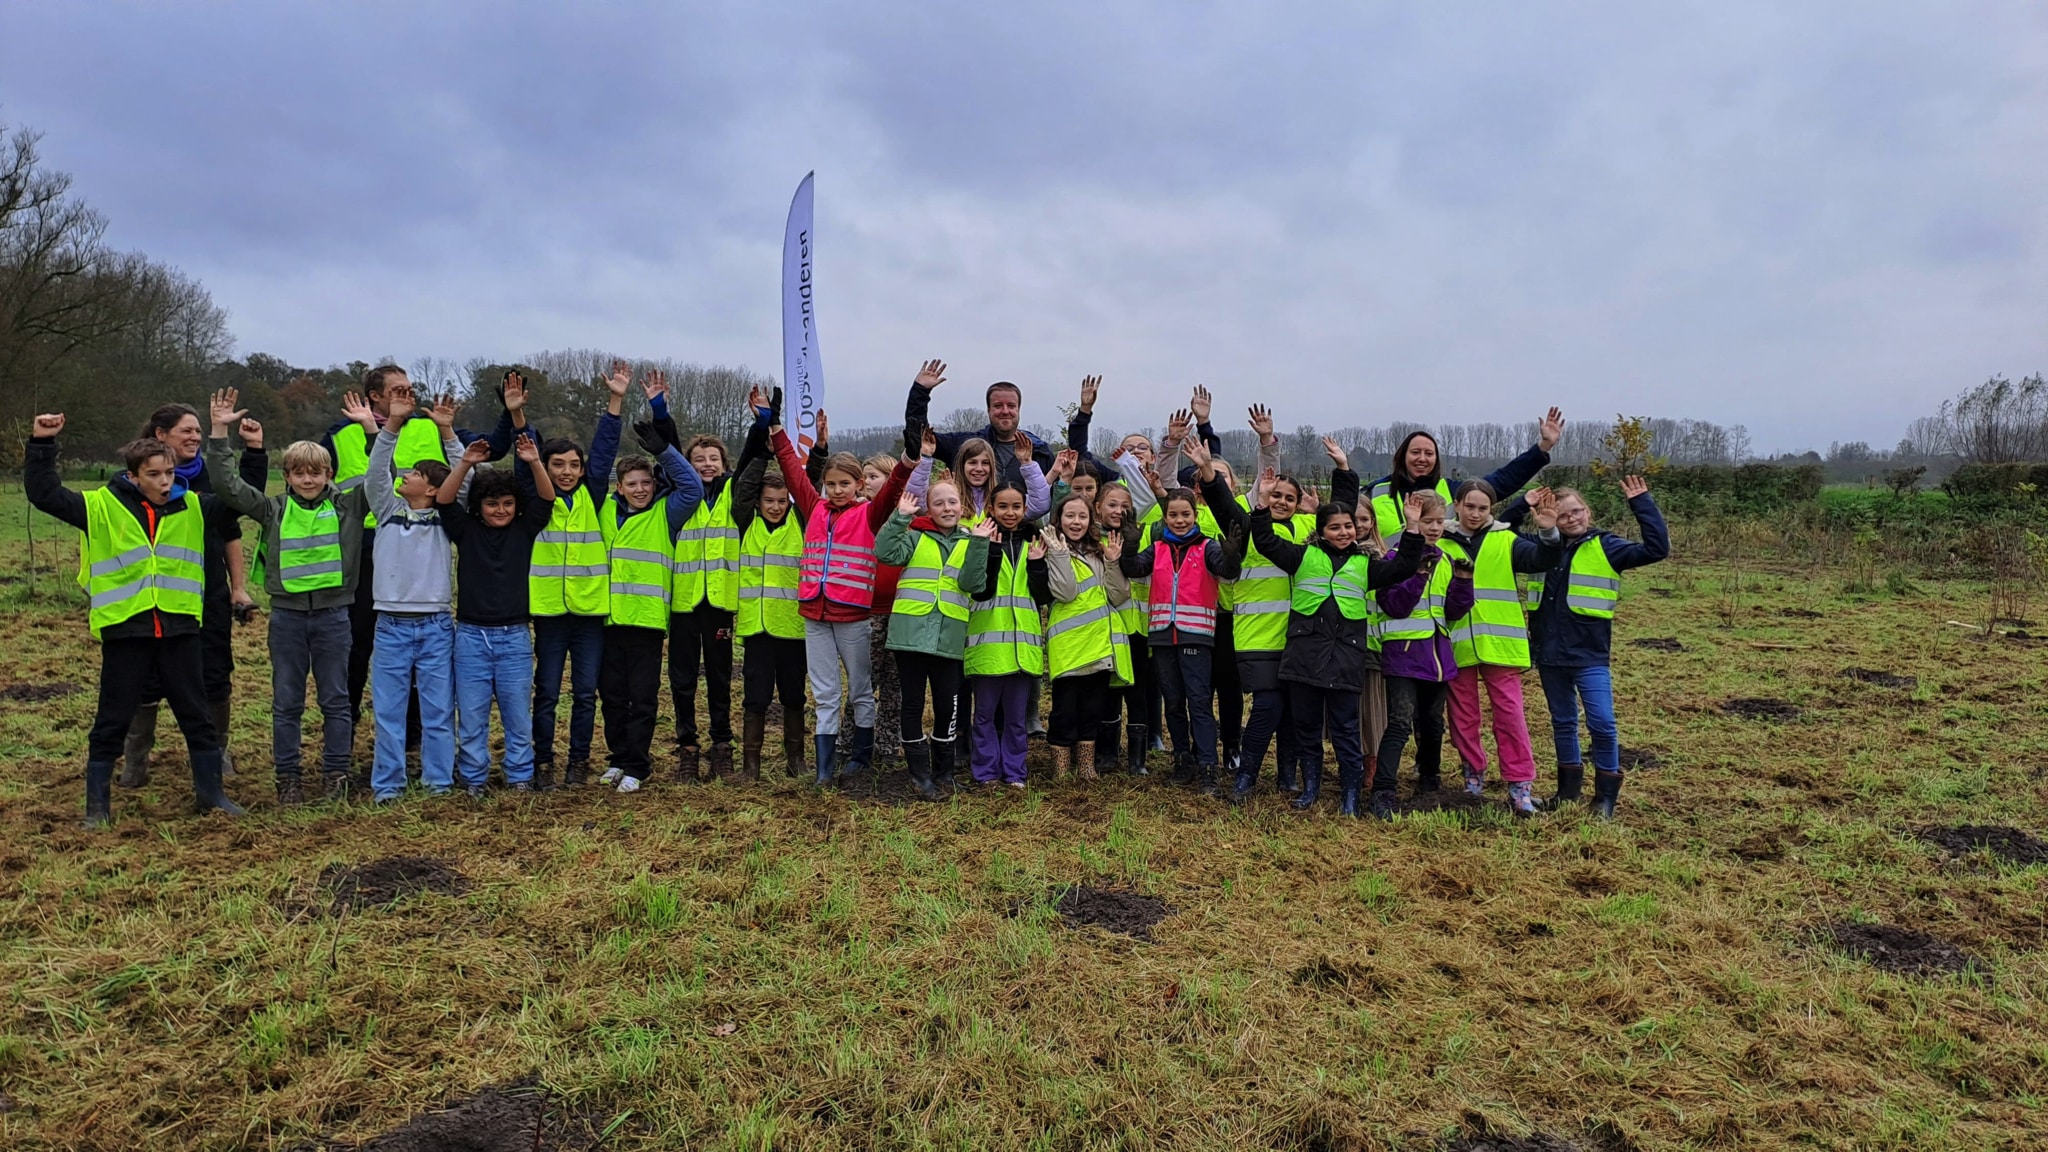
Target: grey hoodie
{"x": 415, "y": 563}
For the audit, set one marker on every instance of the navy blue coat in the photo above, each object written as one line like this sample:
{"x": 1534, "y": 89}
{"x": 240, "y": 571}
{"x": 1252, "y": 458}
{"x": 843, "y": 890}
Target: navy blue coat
{"x": 1560, "y": 637}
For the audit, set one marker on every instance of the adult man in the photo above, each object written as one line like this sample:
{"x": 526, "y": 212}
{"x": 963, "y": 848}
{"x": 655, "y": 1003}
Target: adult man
{"x": 1005, "y": 404}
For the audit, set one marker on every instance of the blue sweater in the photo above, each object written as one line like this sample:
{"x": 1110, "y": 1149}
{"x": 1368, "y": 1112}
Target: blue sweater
{"x": 1560, "y": 637}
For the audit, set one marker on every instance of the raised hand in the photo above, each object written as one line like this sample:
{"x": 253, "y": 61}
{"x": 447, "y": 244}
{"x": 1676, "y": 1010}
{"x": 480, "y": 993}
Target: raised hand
{"x": 1199, "y": 404}
{"x": 907, "y": 503}
{"x": 1551, "y": 430}
{"x": 1634, "y": 486}
{"x": 478, "y": 452}
{"x": 1267, "y": 479}
{"x": 1411, "y": 511}
{"x": 927, "y": 442}
{"x": 1063, "y": 465}
{"x": 1338, "y": 458}
{"x": 1036, "y": 551}
{"x": 985, "y": 529}
{"x": 620, "y": 379}
{"x": 514, "y": 391}
{"x": 1054, "y": 542}
{"x": 48, "y": 425}
{"x": 1176, "y": 426}
{"x": 358, "y": 410}
{"x": 1112, "y": 546}
{"x": 1309, "y": 500}
{"x": 252, "y": 434}
{"x": 527, "y": 451}
{"x": 399, "y": 403}
{"x": 1197, "y": 451}
{"x": 1262, "y": 422}
{"x": 824, "y": 429}
{"x": 1543, "y": 508}
{"x": 757, "y": 401}
{"x": 443, "y": 412}
{"x": 655, "y": 384}
{"x": 1090, "y": 386}
{"x": 222, "y": 408}
{"x": 650, "y": 438}
{"x": 931, "y": 374}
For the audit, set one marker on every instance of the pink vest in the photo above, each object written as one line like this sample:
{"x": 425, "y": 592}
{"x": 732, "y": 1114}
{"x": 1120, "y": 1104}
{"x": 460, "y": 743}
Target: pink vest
{"x": 839, "y": 556}
{"x": 1184, "y": 597}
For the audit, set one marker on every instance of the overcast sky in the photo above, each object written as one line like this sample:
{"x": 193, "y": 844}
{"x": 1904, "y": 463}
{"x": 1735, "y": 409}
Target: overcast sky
{"x": 1816, "y": 219}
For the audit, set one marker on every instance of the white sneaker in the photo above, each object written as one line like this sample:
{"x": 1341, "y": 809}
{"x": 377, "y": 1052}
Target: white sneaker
{"x": 611, "y": 776}
{"x": 629, "y": 784}
{"x": 1017, "y": 784}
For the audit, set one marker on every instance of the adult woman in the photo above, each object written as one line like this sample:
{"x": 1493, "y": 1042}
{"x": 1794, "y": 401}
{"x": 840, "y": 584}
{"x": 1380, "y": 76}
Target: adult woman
{"x": 227, "y": 587}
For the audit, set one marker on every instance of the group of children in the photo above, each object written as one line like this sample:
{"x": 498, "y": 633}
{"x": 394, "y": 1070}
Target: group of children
{"x": 1151, "y": 590}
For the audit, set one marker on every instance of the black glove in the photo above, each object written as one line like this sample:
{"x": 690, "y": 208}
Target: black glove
{"x": 650, "y": 439}
{"x": 775, "y": 406}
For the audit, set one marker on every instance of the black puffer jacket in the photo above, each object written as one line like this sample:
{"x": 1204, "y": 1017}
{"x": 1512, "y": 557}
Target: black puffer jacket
{"x": 1328, "y": 649}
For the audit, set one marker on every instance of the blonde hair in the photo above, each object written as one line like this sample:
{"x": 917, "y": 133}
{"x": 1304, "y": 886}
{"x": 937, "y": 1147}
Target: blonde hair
{"x": 1572, "y": 493}
{"x": 1432, "y": 501}
{"x": 881, "y": 462}
{"x": 947, "y": 480}
{"x": 845, "y": 462}
{"x": 307, "y": 456}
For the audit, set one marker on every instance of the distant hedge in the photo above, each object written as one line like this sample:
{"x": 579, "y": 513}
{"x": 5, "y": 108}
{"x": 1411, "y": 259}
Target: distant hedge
{"x": 1995, "y": 480}
{"x": 1693, "y": 489}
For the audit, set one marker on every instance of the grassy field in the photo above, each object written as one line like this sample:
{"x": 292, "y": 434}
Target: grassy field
{"x": 733, "y": 967}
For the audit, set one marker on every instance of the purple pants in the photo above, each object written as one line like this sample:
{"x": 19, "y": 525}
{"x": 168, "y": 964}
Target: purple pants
{"x": 1001, "y": 707}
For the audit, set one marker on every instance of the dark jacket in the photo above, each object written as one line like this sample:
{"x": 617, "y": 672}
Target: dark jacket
{"x": 1506, "y": 480}
{"x": 916, "y": 415}
{"x": 1560, "y": 637}
{"x": 218, "y": 584}
{"x": 1433, "y": 658}
{"x": 1017, "y": 547}
{"x": 1328, "y": 649}
{"x": 46, "y": 490}
{"x": 492, "y": 564}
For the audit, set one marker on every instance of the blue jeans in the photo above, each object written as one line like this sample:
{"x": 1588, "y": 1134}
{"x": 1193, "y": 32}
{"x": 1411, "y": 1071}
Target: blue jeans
{"x": 413, "y": 652}
{"x": 493, "y": 663}
{"x": 578, "y": 642}
{"x": 1564, "y": 688}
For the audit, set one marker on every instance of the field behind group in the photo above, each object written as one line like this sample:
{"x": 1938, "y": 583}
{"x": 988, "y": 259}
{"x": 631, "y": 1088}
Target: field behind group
{"x": 729, "y": 966}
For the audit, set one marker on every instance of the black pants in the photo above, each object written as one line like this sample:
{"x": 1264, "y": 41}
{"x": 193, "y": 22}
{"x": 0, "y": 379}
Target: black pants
{"x": 915, "y": 670}
{"x": 1183, "y": 671}
{"x": 1313, "y": 708}
{"x": 707, "y": 632}
{"x": 1080, "y": 706}
{"x": 1229, "y": 690}
{"x": 362, "y": 627}
{"x": 128, "y": 670}
{"x": 629, "y": 692}
{"x": 775, "y": 666}
{"x": 1139, "y": 700}
{"x": 216, "y": 656}
{"x": 1413, "y": 706}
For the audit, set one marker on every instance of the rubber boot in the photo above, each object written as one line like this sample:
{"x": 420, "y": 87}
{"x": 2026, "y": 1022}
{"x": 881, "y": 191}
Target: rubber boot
{"x": 1606, "y": 790}
{"x": 1284, "y": 771}
{"x": 945, "y": 755}
{"x": 135, "y": 754}
{"x": 753, "y": 730}
{"x": 863, "y": 751}
{"x": 1352, "y": 779}
{"x": 206, "y": 790}
{"x": 1084, "y": 760}
{"x": 793, "y": 745}
{"x": 1062, "y": 759}
{"x": 1311, "y": 784}
{"x": 223, "y": 711}
{"x": 1571, "y": 778}
{"x": 99, "y": 794}
{"x": 720, "y": 759}
{"x": 1136, "y": 741}
{"x": 918, "y": 755}
{"x": 1242, "y": 785}
{"x": 828, "y": 750}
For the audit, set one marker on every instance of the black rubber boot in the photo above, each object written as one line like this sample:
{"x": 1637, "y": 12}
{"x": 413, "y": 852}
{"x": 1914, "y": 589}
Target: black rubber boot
{"x": 1570, "y": 779}
{"x": 944, "y": 760}
{"x": 99, "y": 795}
{"x": 918, "y": 755}
{"x": 1606, "y": 790}
{"x": 828, "y": 752}
{"x": 223, "y": 712}
{"x": 206, "y": 790}
{"x": 1284, "y": 772}
{"x": 1136, "y": 740}
{"x": 863, "y": 751}
{"x": 1311, "y": 784}
{"x": 1242, "y": 786}
{"x": 138, "y": 748}
{"x": 1352, "y": 779}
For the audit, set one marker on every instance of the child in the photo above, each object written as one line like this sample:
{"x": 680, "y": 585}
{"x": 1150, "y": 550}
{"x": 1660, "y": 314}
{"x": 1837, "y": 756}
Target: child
{"x": 882, "y": 679}
{"x": 768, "y": 624}
{"x": 493, "y": 540}
{"x": 1113, "y": 509}
{"x": 1330, "y": 595}
{"x": 1492, "y": 644}
{"x": 836, "y": 592}
{"x": 640, "y": 541}
{"x": 943, "y": 567}
{"x": 703, "y": 598}
{"x": 568, "y": 589}
{"x": 1184, "y": 567}
{"x": 1571, "y": 634}
{"x": 1417, "y": 467}
{"x": 142, "y": 562}
{"x": 415, "y": 595}
{"x": 1005, "y": 643}
{"x": 1084, "y": 644}
{"x": 974, "y": 469}
{"x": 1416, "y": 659}
{"x": 312, "y": 549}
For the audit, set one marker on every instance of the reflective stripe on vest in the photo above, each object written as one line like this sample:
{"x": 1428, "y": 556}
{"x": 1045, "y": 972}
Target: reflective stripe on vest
{"x": 766, "y": 592}
{"x": 839, "y": 556}
{"x": 570, "y": 573}
{"x": 1427, "y": 617}
{"x": 1262, "y": 593}
{"x": 1081, "y": 631}
{"x": 707, "y": 556}
{"x": 1003, "y": 631}
{"x": 309, "y": 547}
{"x": 1386, "y": 509}
{"x": 1593, "y": 587}
{"x": 1318, "y": 580}
{"x": 932, "y": 578}
{"x": 124, "y": 573}
{"x": 1189, "y": 603}
{"x": 1495, "y": 631}
{"x": 639, "y": 553}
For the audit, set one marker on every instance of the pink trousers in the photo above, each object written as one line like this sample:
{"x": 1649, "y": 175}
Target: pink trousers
{"x": 1510, "y": 728}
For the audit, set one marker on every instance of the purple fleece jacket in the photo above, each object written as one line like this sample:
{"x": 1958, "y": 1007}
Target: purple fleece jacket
{"x": 1429, "y": 659}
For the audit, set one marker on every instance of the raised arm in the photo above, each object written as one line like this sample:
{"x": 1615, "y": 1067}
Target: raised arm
{"x": 801, "y": 492}
{"x": 1285, "y": 554}
{"x": 892, "y": 491}
{"x": 1656, "y": 543}
{"x": 1037, "y": 493}
{"x": 40, "y": 478}
{"x": 1512, "y": 476}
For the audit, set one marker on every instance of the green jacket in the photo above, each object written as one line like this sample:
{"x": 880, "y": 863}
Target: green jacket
{"x": 934, "y": 633}
{"x": 268, "y": 513}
